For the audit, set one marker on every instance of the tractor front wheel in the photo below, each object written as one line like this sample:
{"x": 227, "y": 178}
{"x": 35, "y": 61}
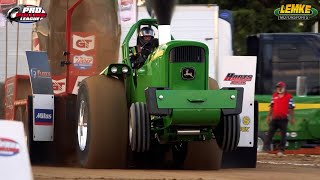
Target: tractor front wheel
{"x": 102, "y": 128}
{"x": 139, "y": 128}
{"x": 228, "y": 132}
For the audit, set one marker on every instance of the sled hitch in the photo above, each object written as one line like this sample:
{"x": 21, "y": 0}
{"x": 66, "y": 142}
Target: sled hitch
{"x": 161, "y": 100}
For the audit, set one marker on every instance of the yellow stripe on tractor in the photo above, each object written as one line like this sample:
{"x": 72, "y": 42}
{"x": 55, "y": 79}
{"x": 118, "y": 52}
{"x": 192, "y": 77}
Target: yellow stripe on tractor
{"x": 263, "y": 107}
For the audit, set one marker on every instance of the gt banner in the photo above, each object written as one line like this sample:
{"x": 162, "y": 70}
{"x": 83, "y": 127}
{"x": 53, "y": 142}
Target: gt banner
{"x": 230, "y": 75}
{"x": 83, "y": 58}
{"x": 42, "y": 96}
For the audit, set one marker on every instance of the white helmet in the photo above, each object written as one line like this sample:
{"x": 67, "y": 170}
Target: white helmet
{"x": 146, "y": 31}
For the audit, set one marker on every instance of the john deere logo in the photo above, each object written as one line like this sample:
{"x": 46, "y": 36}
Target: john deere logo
{"x": 295, "y": 12}
{"x": 188, "y": 73}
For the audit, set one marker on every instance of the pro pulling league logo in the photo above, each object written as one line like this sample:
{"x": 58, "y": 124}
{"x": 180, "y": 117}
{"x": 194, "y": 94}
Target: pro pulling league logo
{"x": 295, "y": 12}
{"x": 26, "y": 14}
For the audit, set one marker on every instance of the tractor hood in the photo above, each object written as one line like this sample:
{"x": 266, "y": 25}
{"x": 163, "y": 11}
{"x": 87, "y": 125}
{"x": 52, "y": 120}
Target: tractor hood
{"x": 164, "y": 51}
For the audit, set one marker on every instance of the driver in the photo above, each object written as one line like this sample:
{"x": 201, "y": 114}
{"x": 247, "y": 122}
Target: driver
{"x": 140, "y": 53}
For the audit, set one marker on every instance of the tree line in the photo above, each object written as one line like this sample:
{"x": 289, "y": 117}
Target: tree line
{"x": 257, "y": 16}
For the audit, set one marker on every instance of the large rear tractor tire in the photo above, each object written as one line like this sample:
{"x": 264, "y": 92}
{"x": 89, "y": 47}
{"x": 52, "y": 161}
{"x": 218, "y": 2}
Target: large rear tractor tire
{"x": 228, "y": 132}
{"x": 102, "y": 116}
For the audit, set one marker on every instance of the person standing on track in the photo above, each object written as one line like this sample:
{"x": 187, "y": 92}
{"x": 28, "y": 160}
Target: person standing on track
{"x": 281, "y": 107}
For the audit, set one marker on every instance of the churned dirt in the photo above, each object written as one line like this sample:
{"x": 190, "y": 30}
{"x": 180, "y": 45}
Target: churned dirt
{"x": 269, "y": 166}
{"x": 298, "y": 160}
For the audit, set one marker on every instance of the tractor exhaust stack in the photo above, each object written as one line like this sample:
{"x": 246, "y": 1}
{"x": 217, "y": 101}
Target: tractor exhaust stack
{"x": 164, "y": 33}
{"x": 163, "y": 10}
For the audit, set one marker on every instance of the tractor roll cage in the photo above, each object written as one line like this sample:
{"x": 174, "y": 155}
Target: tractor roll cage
{"x": 134, "y": 27}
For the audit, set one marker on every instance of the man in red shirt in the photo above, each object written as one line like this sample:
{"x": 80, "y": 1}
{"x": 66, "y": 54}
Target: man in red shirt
{"x": 281, "y": 106}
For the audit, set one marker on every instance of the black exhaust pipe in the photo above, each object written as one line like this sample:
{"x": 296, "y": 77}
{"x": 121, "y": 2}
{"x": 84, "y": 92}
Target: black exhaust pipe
{"x": 163, "y": 10}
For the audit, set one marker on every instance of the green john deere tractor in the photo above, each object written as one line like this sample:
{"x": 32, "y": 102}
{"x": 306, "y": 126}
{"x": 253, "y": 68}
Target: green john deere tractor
{"x": 166, "y": 103}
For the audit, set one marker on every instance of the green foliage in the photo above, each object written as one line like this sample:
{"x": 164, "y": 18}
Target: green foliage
{"x": 256, "y": 16}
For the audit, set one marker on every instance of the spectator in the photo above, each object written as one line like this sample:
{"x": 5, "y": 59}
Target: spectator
{"x": 281, "y": 107}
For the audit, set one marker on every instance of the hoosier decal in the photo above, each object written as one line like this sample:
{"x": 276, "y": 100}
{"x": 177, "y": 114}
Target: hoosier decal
{"x": 238, "y": 79}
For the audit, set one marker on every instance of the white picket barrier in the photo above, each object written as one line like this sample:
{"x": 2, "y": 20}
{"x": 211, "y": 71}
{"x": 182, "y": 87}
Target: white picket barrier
{"x": 14, "y": 157}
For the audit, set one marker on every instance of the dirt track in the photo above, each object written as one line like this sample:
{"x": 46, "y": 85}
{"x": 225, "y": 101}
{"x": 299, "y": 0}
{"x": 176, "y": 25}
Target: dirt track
{"x": 269, "y": 167}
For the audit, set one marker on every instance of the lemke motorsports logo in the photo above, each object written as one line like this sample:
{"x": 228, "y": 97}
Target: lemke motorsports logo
{"x": 26, "y": 14}
{"x": 295, "y": 12}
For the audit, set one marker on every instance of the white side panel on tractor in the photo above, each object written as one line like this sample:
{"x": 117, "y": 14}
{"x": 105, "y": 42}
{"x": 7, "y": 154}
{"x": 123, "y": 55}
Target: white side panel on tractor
{"x": 14, "y": 157}
{"x": 239, "y": 71}
{"x": 43, "y": 117}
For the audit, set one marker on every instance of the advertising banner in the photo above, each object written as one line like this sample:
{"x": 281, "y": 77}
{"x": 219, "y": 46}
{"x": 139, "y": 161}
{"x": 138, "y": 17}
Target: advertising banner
{"x": 230, "y": 75}
{"x": 40, "y": 74}
{"x": 14, "y": 156}
{"x": 59, "y": 84}
{"x": 82, "y": 57}
{"x": 42, "y": 94}
{"x": 127, "y": 11}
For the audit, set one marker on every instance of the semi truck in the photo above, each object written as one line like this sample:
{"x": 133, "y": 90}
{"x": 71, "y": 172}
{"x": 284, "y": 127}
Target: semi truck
{"x": 294, "y": 59}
